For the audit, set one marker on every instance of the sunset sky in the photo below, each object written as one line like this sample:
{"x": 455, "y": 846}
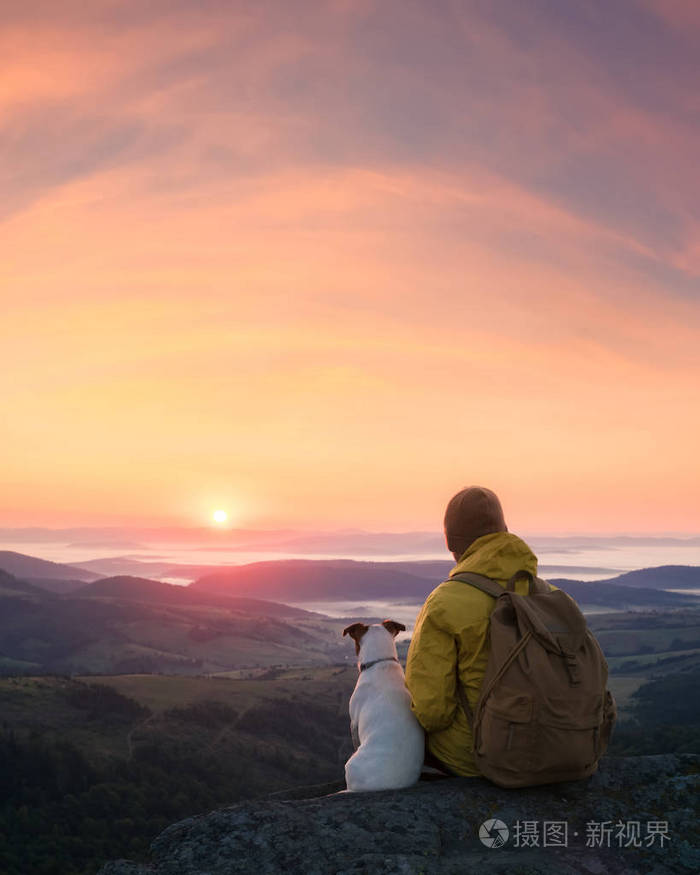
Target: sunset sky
{"x": 321, "y": 264}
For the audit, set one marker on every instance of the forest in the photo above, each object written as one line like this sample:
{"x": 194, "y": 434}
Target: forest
{"x": 67, "y": 807}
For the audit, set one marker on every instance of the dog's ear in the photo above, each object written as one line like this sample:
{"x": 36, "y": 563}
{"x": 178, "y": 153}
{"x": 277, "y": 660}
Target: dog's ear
{"x": 356, "y": 631}
{"x": 393, "y": 627}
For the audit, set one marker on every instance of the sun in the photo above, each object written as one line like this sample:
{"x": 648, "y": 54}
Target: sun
{"x": 219, "y": 516}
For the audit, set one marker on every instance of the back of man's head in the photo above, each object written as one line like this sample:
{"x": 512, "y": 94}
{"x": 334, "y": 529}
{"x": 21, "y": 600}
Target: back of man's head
{"x": 471, "y": 514}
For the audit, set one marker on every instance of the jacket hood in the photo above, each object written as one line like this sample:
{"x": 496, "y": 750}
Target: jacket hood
{"x": 498, "y": 556}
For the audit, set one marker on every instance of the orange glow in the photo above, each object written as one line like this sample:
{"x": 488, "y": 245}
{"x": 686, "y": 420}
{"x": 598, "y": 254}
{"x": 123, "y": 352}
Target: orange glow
{"x": 212, "y": 298}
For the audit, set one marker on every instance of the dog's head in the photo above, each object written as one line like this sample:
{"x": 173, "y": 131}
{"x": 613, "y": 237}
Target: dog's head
{"x": 357, "y": 630}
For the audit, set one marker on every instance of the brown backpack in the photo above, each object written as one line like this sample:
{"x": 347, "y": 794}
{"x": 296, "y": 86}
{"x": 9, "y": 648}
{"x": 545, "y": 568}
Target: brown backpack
{"x": 544, "y": 713}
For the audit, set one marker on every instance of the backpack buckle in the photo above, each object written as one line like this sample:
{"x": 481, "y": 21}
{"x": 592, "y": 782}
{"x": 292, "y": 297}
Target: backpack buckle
{"x": 572, "y": 667}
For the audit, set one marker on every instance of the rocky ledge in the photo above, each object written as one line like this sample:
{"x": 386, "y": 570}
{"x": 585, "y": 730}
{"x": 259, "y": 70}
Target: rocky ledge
{"x": 636, "y": 815}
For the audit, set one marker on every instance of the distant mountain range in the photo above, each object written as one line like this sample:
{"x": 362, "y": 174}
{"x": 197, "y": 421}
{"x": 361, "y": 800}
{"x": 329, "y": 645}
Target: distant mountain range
{"x": 627, "y": 597}
{"x": 332, "y": 579}
{"x": 662, "y": 577}
{"x": 238, "y": 617}
{"x": 131, "y": 625}
{"x": 300, "y": 580}
{"x": 340, "y": 580}
{"x": 30, "y": 568}
{"x": 140, "y": 589}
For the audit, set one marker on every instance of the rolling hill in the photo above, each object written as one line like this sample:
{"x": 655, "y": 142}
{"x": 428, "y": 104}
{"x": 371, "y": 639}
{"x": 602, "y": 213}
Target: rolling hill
{"x": 142, "y": 589}
{"x": 94, "y": 767}
{"x": 10, "y": 585}
{"x": 661, "y": 577}
{"x": 125, "y": 625}
{"x": 300, "y": 580}
{"x": 612, "y": 595}
{"x": 238, "y": 619}
{"x": 31, "y": 568}
{"x": 308, "y": 579}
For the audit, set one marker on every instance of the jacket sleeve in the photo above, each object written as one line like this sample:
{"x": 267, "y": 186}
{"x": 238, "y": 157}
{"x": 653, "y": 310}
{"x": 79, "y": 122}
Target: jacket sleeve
{"x": 431, "y": 667}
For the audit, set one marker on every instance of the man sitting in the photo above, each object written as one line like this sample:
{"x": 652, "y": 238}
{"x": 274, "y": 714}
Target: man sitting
{"x": 451, "y": 632}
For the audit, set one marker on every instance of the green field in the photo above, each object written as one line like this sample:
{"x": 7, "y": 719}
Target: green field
{"x": 655, "y": 663}
{"x": 41, "y": 705}
{"x": 645, "y": 632}
{"x": 105, "y": 635}
{"x": 161, "y": 692}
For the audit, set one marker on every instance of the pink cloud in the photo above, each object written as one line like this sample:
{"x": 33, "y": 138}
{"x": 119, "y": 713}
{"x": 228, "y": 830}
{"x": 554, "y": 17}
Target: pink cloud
{"x": 304, "y": 256}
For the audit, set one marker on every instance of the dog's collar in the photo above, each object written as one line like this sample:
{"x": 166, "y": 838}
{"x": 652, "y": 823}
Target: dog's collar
{"x": 366, "y": 665}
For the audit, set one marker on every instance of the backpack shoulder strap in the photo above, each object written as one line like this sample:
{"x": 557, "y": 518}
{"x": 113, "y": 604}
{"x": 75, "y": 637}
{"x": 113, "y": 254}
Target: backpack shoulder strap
{"x": 478, "y": 581}
{"x": 541, "y": 586}
{"x": 490, "y": 587}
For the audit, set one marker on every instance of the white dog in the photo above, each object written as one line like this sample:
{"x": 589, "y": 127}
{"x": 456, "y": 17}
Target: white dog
{"x": 388, "y": 739}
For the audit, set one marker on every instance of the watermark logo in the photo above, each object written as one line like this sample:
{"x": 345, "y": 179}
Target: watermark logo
{"x": 493, "y": 833}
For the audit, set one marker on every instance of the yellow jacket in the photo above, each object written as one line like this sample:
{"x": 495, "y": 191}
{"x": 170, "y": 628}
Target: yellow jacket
{"x": 451, "y": 629}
